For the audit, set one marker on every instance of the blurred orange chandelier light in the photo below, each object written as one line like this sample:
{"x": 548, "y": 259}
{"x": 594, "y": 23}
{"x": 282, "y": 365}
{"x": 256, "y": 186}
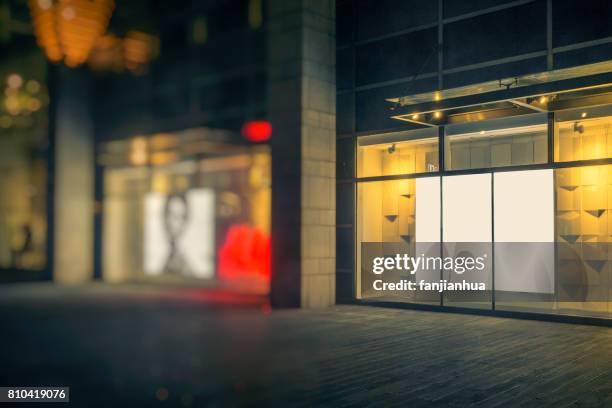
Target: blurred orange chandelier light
{"x": 67, "y": 29}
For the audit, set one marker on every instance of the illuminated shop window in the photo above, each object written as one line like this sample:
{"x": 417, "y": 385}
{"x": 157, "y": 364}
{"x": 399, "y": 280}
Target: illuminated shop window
{"x": 182, "y": 206}
{"x": 398, "y": 153}
{"x": 583, "y": 236}
{"x": 397, "y": 216}
{"x": 497, "y": 143}
{"x": 583, "y": 134}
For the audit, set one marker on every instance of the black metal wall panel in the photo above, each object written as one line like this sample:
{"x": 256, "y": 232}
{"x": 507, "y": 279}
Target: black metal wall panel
{"x": 396, "y": 57}
{"x": 506, "y": 33}
{"x": 381, "y": 17}
{"x": 578, "y": 21}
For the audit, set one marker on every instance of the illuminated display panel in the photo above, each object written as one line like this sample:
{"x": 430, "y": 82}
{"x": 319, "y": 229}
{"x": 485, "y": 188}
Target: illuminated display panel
{"x": 179, "y": 234}
{"x": 466, "y": 226}
{"x": 467, "y": 208}
{"x": 524, "y": 235}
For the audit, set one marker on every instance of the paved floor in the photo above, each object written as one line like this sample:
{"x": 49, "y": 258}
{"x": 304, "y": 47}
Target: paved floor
{"x": 145, "y": 347}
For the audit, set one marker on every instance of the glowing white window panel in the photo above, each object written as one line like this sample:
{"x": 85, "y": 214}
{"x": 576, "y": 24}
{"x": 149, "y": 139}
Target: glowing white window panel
{"x": 466, "y": 208}
{"x": 524, "y": 206}
{"x": 524, "y": 231}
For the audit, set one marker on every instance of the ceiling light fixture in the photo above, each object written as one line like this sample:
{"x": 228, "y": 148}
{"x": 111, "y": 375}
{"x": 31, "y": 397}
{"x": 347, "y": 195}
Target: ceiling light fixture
{"x": 67, "y": 30}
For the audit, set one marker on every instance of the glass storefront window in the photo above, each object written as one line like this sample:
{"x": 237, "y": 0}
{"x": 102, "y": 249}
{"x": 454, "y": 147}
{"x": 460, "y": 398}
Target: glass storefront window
{"x": 497, "y": 143}
{"x": 583, "y": 134}
{"x": 584, "y": 234}
{"x": 398, "y": 153}
{"x": 524, "y": 240}
{"x": 186, "y": 207}
{"x": 547, "y": 232}
{"x": 398, "y": 216}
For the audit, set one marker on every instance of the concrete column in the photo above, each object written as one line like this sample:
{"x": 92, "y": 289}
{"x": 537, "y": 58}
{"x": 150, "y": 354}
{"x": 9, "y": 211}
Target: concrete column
{"x": 74, "y": 179}
{"x": 302, "y": 109}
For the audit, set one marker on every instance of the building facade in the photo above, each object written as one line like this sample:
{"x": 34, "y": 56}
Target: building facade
{"x": 478, "y": 122}
{"x": 421, "y": 125}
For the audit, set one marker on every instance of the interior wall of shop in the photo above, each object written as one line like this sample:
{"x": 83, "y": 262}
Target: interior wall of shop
{"x": 390, "y": 48}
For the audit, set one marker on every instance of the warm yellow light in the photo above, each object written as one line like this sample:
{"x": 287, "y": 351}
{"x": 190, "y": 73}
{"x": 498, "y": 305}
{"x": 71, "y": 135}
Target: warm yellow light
{"x": 11, "y": 104}
{"x": 482, "y": 132}
{"x": 68, "y": 13}
{"x": 583, "y": 115}
{"x": 415, "y": 116}
{"x": 33, "y": 104}
{"x": 32, "y": 86}
{"x": 437, "y": 114}
{"x": 437, "y": 96}
{"x": 543, "y": 99}
{"x": 162, "y": 158}
{"x": 139, "y": 49}
{"x": 68, "y": 29}
{"x": 44, "y": 4}
{"x": 138, "y": 151}
{"x": 14, "y": 81}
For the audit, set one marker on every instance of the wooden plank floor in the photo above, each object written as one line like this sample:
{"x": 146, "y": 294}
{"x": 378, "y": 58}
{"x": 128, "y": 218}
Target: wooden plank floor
{"x": 131, "y": 347}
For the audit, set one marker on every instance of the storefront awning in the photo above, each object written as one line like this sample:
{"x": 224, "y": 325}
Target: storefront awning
{"x": 557, "y": 90}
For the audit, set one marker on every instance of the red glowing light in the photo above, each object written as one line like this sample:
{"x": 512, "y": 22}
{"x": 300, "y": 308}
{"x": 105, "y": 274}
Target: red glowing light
{"x": 244, "y": 258}
{"x": 257, "y": 130}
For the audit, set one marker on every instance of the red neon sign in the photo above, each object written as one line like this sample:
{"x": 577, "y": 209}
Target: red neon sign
{"x": 257, "y": 130}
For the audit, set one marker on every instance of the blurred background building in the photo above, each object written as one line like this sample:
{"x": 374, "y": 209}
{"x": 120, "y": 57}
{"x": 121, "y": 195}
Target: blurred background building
{"x": 253, "y": 145}
{"x": 136, "y": 144}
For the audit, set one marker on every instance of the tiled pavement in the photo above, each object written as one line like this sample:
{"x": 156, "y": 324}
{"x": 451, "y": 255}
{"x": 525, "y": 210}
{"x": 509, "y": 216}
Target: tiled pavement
{"x": 145, "y": 347}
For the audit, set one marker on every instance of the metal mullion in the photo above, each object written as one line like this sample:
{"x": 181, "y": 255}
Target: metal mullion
{"x": 537, "y": 166}
{"x": 487, "y": 11}
{"x": 440, "y": 44}
{"x": 492, "y": 241}
{"x": 441, "y": 168}
{"x": 551, "y": 137}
